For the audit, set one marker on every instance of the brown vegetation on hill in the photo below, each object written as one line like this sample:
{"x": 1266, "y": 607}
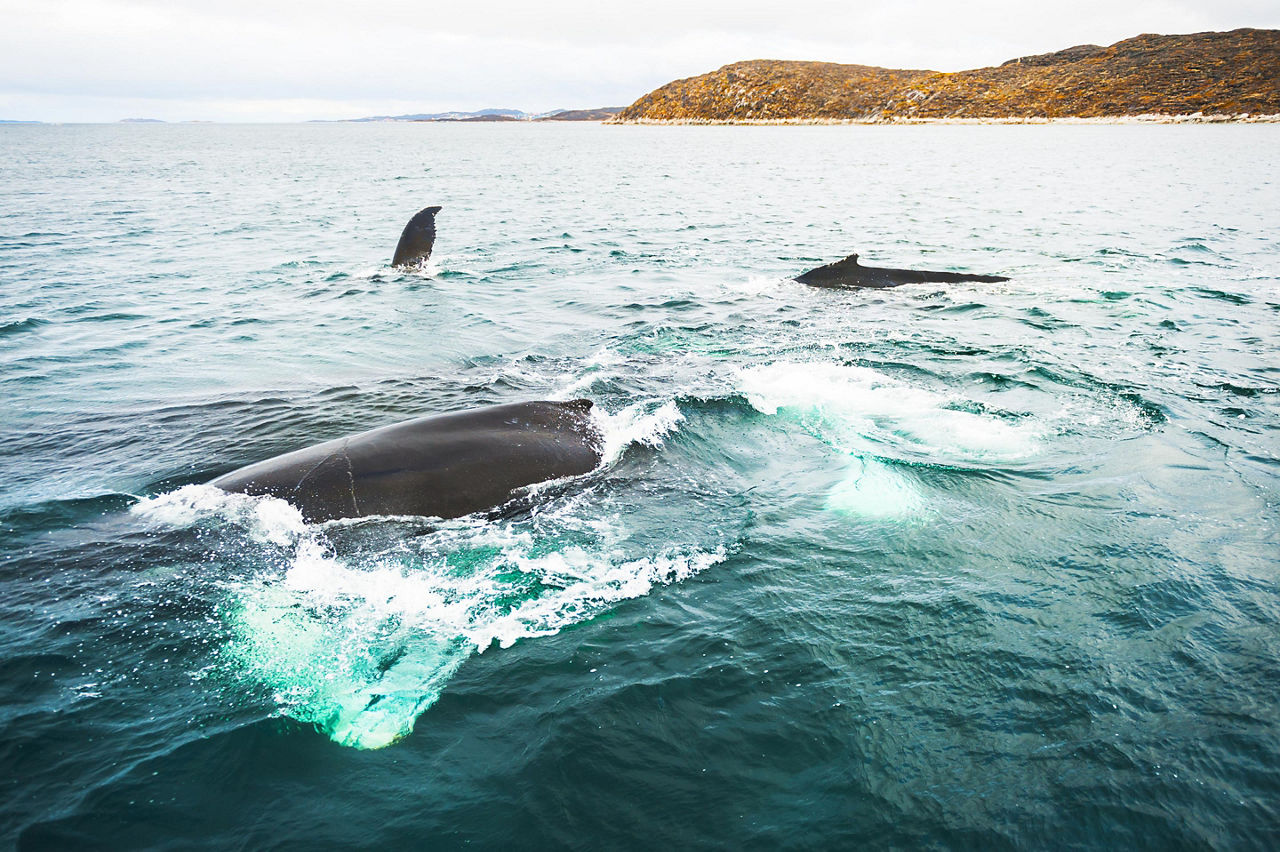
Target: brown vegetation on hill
{"x": 1212, "y": 73}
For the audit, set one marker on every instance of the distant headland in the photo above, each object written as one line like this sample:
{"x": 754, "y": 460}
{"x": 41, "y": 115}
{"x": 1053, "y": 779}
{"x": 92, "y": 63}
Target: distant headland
{"x": 597, "y": 114}
{"x": 1214, "y": 76}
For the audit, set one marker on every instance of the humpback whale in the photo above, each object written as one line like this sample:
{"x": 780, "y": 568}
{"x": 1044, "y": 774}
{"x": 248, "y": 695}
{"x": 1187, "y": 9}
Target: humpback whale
{"x": 417, "y": 238}
{"x": 445, "y": 465}
{"x": 848, "y": 273}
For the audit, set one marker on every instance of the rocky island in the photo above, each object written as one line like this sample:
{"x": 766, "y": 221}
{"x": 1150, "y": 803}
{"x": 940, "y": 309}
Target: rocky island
{"x": 1216, "y": 75}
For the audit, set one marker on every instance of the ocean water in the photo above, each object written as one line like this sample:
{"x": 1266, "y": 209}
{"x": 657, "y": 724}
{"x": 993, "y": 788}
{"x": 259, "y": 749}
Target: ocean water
{"x": 966, "y": 566}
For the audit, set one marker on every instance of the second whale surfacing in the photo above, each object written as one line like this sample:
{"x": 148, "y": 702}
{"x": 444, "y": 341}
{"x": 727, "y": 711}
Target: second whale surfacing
{"x": 848, "y": 273}
{"x": 445, "y": 465}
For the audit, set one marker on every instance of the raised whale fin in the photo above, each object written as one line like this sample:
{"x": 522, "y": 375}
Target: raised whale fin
{"x": 417, "y": 239}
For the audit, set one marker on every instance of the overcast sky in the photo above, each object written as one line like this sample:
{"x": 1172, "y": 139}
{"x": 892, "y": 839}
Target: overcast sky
{"x": 289, "y": 60}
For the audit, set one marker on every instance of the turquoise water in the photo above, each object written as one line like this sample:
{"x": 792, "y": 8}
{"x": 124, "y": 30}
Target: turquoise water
{"x": 980, "y": 565}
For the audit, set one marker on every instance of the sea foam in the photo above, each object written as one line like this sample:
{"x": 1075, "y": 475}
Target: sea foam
{"x": 858, "y": 409}
{"x": 877, "y": 420}
{"x": 360, "y": 639}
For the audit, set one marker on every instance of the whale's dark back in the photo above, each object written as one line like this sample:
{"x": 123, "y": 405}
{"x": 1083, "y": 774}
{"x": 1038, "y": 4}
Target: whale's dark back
{"x": 848, "y": 273}
{"x": 417, "y": 239}
{"x": 445, "y": 465}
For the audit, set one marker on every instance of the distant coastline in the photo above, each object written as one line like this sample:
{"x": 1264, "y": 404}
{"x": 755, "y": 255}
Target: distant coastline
{"x": 1153, "y": 118}
{"x": 487, "y": 115}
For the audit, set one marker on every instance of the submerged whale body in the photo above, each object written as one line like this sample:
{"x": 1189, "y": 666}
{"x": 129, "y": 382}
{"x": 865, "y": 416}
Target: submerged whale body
{"x": 417, "y": 238}
{"x": 446, "y": 465}
{"x": 848, "y": 273}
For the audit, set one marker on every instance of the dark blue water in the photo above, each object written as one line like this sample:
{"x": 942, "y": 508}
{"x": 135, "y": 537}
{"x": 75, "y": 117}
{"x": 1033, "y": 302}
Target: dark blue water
{"x": 979, "y": 565}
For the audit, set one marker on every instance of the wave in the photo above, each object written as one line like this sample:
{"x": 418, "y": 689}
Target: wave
{"x": 63, "y": 511}
{"x": 880, "y": 423}
{"x": 22, "y": 325}
{"x": 872, "y": 489}
{"x": 857, "y": 409}
{"x": 645, "y": 423}
{"x": 266, "y": 519}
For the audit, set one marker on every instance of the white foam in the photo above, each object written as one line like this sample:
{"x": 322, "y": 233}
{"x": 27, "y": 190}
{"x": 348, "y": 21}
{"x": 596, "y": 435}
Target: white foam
{"x": 335, "y": 658}
{"x": 871, "y": 489}
{"x": 757, "y": 285}
{"x": 430, "y": 268}
{"x": 361, "y": 646}
{"x": 601, "y": 366}
{"x": 858, "y": 409}
{"x": 266, "y": 519}
{"x": 642, "y": 423}
{"x": 592, "y": 583}
{"x": 604, "y": 357}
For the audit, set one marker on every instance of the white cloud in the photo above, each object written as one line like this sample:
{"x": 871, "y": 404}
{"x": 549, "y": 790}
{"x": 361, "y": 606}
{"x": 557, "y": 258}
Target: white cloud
{"x": 239, "y": 60}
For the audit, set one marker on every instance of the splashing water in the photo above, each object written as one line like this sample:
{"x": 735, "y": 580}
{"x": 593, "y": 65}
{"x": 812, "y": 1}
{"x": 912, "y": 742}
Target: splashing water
{"x": 361, "y": 650}
{"x": 872, "y": 489}
{"x": 361, "y": 642}
{"x": 857, "y": 408}
{"x": 878, "y": 420}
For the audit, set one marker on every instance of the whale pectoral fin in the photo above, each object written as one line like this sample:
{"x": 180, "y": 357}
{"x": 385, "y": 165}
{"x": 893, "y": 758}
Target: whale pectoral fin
{"x": 418, "y": 238}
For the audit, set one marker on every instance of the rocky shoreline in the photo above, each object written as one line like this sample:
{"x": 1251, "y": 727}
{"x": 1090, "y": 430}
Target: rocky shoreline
{"x": 1153, "y": 118}
{"x": 1196, "y": 78}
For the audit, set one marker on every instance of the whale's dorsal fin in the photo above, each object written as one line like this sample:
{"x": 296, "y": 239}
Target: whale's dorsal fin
{"x": 851, "y": 260}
